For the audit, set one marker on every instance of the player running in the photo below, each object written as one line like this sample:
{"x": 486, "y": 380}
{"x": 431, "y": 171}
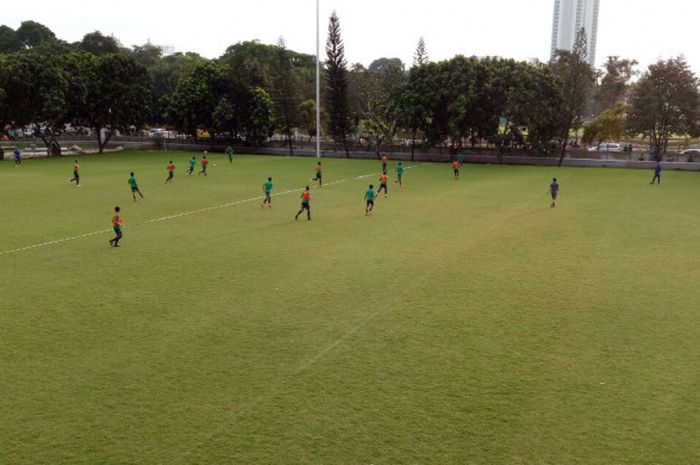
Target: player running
{"x": 383, "y": 185}
{"x": 305, "y": 203}
{"x": 319, "y": 175}
{"x": 18, "y": 158}
{"x": 369, "y": 198}
{"x": 399, "y": 174}
{"x": 657, "y": 173}
{"x": 117, "y": 225}
{"x": 385, "y": 164}
{"x": 171, "y": 173}
{"x": 76, "y": 173}
{"x": 229, "y": 153}
{"x": 192, "y": 162}
{"x": 205, "y": 163}
{"x": 267, "y": 190}
{"x": 134, "y": 187}
{"x": 554, "y": 192}
{"x": 455, "y": 169}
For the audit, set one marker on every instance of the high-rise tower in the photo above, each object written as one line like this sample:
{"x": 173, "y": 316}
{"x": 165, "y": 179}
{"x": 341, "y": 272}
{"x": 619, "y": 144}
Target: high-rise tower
{"x": 570, "y": 16}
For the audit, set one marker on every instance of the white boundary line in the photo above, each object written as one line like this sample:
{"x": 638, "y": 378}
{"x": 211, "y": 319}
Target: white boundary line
{"x": 179, "y": 215}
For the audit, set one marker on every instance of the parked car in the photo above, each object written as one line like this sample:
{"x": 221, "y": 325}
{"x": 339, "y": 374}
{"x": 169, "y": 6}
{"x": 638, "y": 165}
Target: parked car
{"x": 606, "y": 147}
{"x": 692, "y": 154}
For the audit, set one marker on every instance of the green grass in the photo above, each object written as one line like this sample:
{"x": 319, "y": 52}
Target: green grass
{"x": 463, "y": 323}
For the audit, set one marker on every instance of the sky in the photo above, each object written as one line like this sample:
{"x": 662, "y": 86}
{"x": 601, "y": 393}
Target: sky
{"x": 645, "y": 30}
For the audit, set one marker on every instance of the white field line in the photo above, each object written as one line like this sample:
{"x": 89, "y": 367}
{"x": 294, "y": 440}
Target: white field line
{"x": 178, "y": 215}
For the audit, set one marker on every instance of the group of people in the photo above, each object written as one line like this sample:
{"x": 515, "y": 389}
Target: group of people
{"x": 267, "y": 188}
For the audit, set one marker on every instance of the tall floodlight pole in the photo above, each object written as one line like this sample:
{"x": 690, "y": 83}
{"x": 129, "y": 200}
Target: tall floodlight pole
{"x": 318, "y": 79}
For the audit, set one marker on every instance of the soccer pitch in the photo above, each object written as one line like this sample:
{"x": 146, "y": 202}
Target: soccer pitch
{"x": 462, "y": 323}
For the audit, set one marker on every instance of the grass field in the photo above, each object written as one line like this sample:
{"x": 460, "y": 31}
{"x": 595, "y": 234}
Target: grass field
{"x": 463, "y": 323}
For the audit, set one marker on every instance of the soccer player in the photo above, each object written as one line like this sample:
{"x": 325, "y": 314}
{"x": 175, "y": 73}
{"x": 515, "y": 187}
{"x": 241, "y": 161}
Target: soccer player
{"x": 460, "y": 159}
{"x": 455, "y": 168}
{"x": 76, "y": 173}
{"x": 369, "y": 198}
{"x": 554, "y": 191}
{"x": 193, "y": 162}
{"x": 319, "y": 175}
{"x": 171, "y": 173}
{"x": 134, "y": 187}
{"x": 267, "y": 190}
{"x": 205, "y": 163}
{"x": 117, "y": 225}
{"x": 229, "y": 153}
{"x": 399, "y": 174}
{"x": 657, "y": 173}
{"x": 18, "y": 158}
{"x": 305, "y": 203}
{"x": 385, "y": 163}
{"x": 383, "y": 185}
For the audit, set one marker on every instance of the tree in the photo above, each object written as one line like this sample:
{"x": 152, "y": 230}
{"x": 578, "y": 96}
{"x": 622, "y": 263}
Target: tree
{"x": 259, "y": 123}
{"x": 664, "y": 102}
{"x": 35, "y": 88}
{"x": 615, "y": 83}
{"x": 577, "y": 77}
{"x": 307, "y": 117}
{"x": 117, "y": 97}
{"x": 286, "y": 95}
{"x": 337, "y": 86}
{"x": 9, "y": 42}
{"x": 32, "y": 34}
{"x": 421, "y": 58}
{"x": 99, "y": 44}
{"x": 196, "y": 98}
{"x": 610, "y": 125}
{"x": 382, "y": 64}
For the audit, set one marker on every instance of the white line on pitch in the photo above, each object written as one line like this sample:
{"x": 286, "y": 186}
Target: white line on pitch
{"x": 171, "y": 217}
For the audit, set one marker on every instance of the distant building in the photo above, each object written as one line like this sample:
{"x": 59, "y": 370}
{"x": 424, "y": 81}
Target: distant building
{"x": 570, "y": 16}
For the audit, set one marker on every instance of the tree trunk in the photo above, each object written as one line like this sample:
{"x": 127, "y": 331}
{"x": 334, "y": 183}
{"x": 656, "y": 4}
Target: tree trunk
{"x": 413, "y": 146}
{"x": 291, "y": 146}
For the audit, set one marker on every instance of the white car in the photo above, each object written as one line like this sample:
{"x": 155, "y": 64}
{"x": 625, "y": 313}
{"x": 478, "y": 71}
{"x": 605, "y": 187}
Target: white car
{"x": 691, "y": 153}
{"x": 606, "y": 147}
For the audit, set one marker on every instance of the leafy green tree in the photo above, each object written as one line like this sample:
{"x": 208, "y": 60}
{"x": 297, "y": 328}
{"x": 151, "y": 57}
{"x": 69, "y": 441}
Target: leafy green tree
{"x": 117, "y": 96}
{"x": 610, "y": 125}
{"x": 196, "y": 98}
{"x": 259, "y": 124}
{"x": 307, "y": 118}
{"x": 577, "y": 77}
{"x": 225, "y": 117}
{"x": 615, "y": 83}
{"x": 100, "y": 44}
{"x": 286, "y": 95}
{"x": 32, "y": 35}
{"x": 9, "y": 42}
{"x": 664, "y": 102}
{"x": 35, "y": 94}
{"x": 337, "y": 105}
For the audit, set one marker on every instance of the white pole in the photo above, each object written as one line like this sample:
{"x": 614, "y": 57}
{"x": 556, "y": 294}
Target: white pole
{"x": 318, "y": 80}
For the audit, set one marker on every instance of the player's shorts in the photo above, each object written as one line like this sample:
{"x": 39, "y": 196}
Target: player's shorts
{"x": 305, "y": 206}
{"x": 134, "y": 189}
{"x": 370, "y": 203}
{"x": 319, "y": 176}
{"x": 456, "y": 171}
{"x": 555, "y": 195}
{"x": 383, "y": 186}
{"x": 268, "y": 196}
{"x": 118, "y": 231}
{"x": 76, "y": 174}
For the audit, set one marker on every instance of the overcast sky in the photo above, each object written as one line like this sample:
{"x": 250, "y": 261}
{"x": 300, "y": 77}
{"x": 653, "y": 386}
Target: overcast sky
{"x": 641, "y": 29}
